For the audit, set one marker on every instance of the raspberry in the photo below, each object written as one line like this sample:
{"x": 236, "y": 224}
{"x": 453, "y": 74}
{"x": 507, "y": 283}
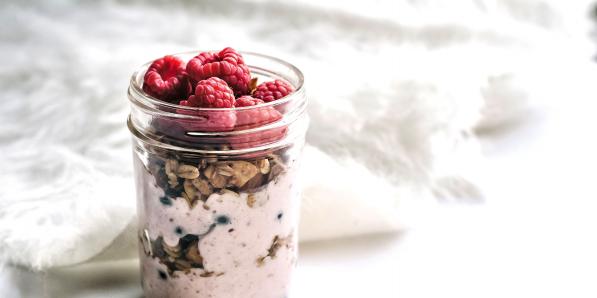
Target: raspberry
{"x": 227, "y": 65}
{"x": 167, "y": 80}
{"x": 211, "y": 121}
{"x": 255, "y": 117}
{"x": 249, "y": 118}
{"x": 212, "y": 93}
{"x": 247, "y": 101}
{"x": 270, "y": 91}
{"x": 231, "y": 55}
{"x": 184, "y": 103}
{"x": 208, "y": 121}
{"x": 206, "y": 57}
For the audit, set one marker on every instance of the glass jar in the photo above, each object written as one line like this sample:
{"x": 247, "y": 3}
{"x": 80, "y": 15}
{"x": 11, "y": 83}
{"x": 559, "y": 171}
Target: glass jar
{"x": 218, "y": 207}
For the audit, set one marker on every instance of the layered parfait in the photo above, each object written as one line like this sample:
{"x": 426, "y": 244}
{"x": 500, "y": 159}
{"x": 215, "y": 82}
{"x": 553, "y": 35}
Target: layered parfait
{"x": 217, "y": 209}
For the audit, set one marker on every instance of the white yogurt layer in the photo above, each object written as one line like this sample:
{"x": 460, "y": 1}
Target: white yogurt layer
{"x": 237, "y": 251}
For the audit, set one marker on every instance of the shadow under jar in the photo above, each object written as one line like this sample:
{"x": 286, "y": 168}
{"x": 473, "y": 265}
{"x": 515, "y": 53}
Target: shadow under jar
{"x": 218, "y": 208}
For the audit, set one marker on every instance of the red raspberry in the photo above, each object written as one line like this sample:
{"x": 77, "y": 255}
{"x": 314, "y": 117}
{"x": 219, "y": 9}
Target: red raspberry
{"x": 211, "y": 121}
{"x": 231, "y": 55}
{"x": 247, "y": 101}
{"x": 249, "y": 118}
{"x": 255, "y": 117}
{"x": 215, "y": 120}
{"x": 167, "y": 80}
{"x": 227, "y": 65}
{"x": 270, "y": 91}
{"x": 212, "y": 93}
{"x": 206, "y": 57}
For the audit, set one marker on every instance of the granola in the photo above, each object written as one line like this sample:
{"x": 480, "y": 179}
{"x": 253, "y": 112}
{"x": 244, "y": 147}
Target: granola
{"x": 196, "y": 183}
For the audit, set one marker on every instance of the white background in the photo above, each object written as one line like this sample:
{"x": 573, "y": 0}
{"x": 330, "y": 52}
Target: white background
{"x": 534, "y": 235}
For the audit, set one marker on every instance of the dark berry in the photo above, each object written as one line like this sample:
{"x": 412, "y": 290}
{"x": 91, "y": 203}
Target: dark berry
{"x": 178, "y": 230}
{"x": 166, "y": 201}
{"x": 162, "y": 274}
{"x": 223, "y": 220}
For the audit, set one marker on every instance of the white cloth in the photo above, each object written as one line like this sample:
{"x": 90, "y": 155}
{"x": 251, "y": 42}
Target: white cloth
{"x": 396, "y": 90}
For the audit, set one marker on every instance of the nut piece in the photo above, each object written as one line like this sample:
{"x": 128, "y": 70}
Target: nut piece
{"x": 224, "y": 170}
{"x": 191, "y": 201}
{"x": 171, "y": 166}
{"x": 187, "y": 172}
{"x": 189, "y": 188}
{"x": 203, "y": 186}
{"x": 193, "y": 254}
{"x": 263, "y": 166}
{"x": 216, "y": 180}
{"x": 208, "y": 172}
{"x": 256, "y": 200}
{"x": 277, "y": 243}
{"x": 253, "y": 183}
{"x": 182, "y": 265}
{"x": 251, "y": 200}
{"x": 243, "y": 172}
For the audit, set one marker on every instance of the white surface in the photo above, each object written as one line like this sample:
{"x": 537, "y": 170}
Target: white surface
{"x": 388, "y": 113}
{"x": 534, "y": 237}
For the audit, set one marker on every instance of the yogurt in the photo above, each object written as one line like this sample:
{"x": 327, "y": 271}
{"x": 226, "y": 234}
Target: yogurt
{"x": 238, "y": 241}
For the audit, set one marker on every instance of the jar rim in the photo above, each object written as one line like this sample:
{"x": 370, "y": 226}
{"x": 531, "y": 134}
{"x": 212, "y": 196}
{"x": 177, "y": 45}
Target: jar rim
{"x": 148, "y": 101}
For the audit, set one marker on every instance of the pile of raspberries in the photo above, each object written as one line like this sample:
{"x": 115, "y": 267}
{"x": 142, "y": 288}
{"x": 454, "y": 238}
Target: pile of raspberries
{"x": 215, "y": 80}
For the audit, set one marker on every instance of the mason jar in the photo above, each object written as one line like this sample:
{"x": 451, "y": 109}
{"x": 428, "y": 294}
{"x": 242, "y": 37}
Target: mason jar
{"x": 218, "y": 208}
